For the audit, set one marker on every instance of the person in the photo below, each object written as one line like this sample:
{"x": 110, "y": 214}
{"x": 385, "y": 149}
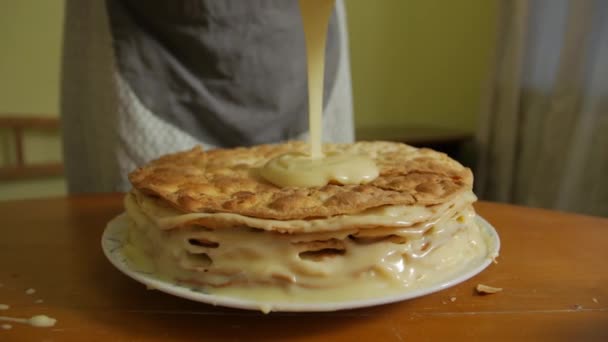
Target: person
{"x": 142, "y": 79}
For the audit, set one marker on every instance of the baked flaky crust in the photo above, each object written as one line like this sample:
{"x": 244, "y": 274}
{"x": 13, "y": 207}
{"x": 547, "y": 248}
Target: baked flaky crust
{"x": 227, "y": 180}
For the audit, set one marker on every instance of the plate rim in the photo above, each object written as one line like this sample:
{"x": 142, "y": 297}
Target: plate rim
{"x": 111, "y": 246}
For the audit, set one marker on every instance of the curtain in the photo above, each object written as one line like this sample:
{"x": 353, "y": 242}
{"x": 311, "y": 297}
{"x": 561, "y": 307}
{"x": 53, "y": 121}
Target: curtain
{"x": 543, "y": 135}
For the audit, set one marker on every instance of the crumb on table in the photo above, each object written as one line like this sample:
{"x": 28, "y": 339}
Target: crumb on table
{"x": 485, "y": 289}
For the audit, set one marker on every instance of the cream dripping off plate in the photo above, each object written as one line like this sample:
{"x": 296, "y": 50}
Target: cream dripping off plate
{"x": 115, "y": 235}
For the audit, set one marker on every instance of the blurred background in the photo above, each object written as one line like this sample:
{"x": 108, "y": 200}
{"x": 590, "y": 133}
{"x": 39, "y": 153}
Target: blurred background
{"x": 30, "y": 32}
{"x": 517, "y": 90}
{"x": 408, "y": 80}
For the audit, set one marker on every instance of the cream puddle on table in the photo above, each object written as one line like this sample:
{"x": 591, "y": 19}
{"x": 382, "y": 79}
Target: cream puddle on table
{"x": 38, "y": 321}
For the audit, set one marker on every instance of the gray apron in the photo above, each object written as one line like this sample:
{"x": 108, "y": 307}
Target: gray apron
{"x": 236, "y": 68}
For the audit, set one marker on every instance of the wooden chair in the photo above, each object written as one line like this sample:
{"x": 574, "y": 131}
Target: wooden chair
{"x": 20, "y": 169}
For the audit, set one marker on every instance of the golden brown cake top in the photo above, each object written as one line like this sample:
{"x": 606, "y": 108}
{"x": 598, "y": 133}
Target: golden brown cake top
{"x": 227, "y": 180}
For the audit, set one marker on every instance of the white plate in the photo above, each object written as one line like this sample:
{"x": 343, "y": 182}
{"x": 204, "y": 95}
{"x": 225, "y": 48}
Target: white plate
{"x": 115, "y": 235}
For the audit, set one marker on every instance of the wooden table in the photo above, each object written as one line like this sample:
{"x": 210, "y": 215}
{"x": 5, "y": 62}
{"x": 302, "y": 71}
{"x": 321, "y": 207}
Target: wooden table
{"x": 553, "y": 268}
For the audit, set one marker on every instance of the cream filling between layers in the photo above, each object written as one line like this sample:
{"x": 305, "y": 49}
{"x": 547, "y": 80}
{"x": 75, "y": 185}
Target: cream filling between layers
{"x": 385, "y": 216}
{"x": 335, "y": 265}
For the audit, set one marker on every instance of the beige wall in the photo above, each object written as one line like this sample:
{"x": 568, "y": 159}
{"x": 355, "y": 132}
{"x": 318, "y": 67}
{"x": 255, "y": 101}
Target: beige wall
{"x": 30, "y": 43}
{"x": 420, "y": 62}
{"x": 414, "y": 62}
